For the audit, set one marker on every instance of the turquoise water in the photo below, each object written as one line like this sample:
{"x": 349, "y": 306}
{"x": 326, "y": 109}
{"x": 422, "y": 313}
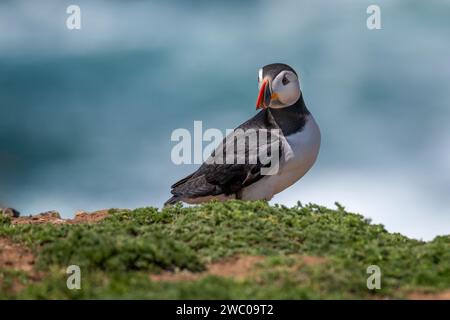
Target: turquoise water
{"x": 86, "y": 116}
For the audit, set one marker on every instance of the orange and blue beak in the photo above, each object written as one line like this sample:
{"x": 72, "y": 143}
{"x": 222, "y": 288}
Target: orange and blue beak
{"x": 264, "y": 96}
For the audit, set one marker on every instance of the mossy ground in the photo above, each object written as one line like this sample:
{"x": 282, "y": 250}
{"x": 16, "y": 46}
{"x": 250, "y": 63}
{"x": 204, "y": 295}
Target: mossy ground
{"x": 118, "y": 255}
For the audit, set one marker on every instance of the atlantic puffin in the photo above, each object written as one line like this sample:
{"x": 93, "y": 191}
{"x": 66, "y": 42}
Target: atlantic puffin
{"x": 282, "y": 109}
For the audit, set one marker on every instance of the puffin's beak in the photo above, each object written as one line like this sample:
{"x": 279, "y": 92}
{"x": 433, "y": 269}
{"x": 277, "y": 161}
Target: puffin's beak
{"x": 264, "y": 96}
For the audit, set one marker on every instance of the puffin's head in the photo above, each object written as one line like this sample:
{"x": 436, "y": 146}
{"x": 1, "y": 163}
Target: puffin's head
{"x": 278, "y": 85}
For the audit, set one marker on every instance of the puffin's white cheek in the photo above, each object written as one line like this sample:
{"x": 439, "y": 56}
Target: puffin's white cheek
{"x": 289, "y": 95}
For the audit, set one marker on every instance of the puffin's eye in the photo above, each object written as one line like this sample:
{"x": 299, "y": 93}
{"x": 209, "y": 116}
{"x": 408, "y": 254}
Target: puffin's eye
{"x": 285, "y": 81}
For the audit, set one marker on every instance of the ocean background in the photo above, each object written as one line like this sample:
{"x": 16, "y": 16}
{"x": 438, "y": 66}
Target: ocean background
{"x": 86, "y": 115}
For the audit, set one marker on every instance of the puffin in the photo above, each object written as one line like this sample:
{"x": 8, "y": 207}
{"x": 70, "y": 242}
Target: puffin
{"x": 295, "y": 147}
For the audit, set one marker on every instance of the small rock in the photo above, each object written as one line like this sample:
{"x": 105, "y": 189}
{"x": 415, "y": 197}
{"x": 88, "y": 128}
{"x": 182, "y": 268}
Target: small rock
{"x": 80, "y": 213}
{"x": 48, "y": 214}
{"x": 10, "y": 212}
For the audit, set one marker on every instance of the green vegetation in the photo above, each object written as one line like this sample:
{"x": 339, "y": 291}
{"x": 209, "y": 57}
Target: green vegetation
{"x": 118, "y": 255}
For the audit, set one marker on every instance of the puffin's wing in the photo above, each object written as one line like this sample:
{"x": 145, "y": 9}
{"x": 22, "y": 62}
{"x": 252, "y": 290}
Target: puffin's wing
{"x": 176, "y": 184}
{"x": 234, "y": 164}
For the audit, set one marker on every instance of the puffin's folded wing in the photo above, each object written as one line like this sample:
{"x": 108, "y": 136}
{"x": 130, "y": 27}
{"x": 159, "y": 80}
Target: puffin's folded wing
{"x": 195, "y": 186}
{"x": 232, "y": 166}
{"x": 180, "y": 182}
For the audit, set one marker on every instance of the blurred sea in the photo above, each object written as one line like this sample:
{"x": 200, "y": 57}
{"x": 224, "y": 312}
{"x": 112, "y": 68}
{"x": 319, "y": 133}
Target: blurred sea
{"x": 86, "y": 116}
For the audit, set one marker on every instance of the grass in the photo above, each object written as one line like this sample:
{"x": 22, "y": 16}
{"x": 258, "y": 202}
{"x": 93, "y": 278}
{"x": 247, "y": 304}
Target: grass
{"x": 118, "y": 254}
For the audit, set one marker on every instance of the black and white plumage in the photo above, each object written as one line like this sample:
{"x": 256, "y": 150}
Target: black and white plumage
{"x": 284, "y": 109}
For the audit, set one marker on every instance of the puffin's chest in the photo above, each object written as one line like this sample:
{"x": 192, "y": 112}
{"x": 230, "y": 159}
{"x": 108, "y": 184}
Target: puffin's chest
{"x": 300, "y": 153}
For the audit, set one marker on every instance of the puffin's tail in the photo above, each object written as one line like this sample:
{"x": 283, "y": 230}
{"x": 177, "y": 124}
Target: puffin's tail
{"x": 172, "y": 201}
